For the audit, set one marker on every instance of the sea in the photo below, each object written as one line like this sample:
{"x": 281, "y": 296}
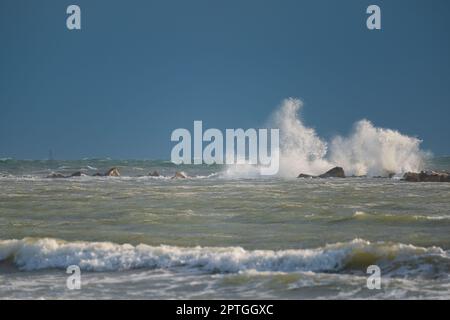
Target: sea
{"x": 218, "y": 234}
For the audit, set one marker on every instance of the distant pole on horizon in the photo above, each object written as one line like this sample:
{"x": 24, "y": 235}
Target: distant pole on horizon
{"x": 50, "y": 155}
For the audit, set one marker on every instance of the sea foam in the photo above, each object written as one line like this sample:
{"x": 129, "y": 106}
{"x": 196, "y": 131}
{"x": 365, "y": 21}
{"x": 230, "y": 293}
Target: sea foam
{"x": 46, "y": 253}
{"x": 367, "y": 150}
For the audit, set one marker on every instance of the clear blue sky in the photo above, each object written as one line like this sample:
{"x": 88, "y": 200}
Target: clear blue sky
{"x": 139, "y": 69}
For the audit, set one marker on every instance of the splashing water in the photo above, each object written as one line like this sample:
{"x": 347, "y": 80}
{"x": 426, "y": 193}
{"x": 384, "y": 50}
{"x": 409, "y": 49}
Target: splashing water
{"x": 368, "y": 150}
{"x": 302, "y": 150}
{"x": 376, "y": 151}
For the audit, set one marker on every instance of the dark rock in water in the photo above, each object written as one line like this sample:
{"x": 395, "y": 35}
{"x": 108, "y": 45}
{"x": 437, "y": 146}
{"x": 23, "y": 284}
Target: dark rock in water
{"x": 113, "y": 172}
{"x": 389, "y": 175}
{"x": 56, "y": 175}
{"x": 154, "y": 174}
{"x": 60, "y": 175}
{"x": 77, "y": 174}
{"x": 180, "y": 175}
{"x": 336, "y": 172}
{"x": 429, "y": 176}
{"x": 411, "y": 177}
{"x": 308, "y": 176}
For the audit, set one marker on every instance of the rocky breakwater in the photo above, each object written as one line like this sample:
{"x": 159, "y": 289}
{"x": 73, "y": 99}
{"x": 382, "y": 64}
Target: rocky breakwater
{"x": 336, "y": 172}
{"x": 427, "y": 176}
{"x": 113, "y": 172}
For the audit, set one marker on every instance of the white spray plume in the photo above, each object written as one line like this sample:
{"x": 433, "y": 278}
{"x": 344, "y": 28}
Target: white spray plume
{"x": 366, "y": 151}
{"x": 376, "y": 151}
{"x": 301, "y": 150}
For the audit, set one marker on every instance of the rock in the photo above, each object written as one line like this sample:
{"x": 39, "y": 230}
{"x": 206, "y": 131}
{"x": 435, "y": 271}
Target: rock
{"x": 154, "y": 174}
{"x": 78, "y": 174}
{"x": 180, "y": 175}
{"x": 388, "y": 175}
{"x": 55, "y": 175}
{"x": 411, "y": 177}
{"x": 113, "y": 172}
{"x": 308, "y": 176}
{"x": 336, "y": 172}
{"x": 428, "y": 176}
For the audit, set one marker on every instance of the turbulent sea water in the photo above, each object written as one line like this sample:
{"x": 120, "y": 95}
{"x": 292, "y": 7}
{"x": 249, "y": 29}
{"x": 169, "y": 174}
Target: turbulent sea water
{"x": 218, "y": 234}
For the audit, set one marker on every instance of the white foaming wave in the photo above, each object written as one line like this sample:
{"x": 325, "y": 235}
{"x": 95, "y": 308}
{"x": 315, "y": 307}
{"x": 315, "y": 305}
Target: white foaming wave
{"x": 362, "y": 215}
{"x": 11, "y": 177}
{"x": 87, "y": 178}
{"x": 368, "y": 150}
{"x": 301, "y": 149}
{"x": 438, "y": 217}
{"x": 242, "y": 171}
{"x": 376, "y": 151}
{"x": 45, "y": 253}
{"x": 211, "y": 175}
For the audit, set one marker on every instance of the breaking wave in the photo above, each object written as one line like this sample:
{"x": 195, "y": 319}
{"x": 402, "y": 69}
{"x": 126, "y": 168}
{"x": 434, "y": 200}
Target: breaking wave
{"x": 368, "y": 150}
{"x": 398, "y": 259}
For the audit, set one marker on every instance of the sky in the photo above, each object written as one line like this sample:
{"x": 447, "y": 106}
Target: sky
{"x": 139, "y": 69}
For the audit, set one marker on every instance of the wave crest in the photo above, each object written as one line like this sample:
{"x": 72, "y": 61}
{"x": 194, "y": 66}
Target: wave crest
{"x": 367, "y": 150}
{"x": 376, "y": 151}
{"x": 45, "y": 253}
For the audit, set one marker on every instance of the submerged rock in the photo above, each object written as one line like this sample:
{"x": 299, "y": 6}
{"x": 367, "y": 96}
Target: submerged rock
{"x": 308, "y": 176}
{"x": 56, "y": 175}
{"x": 388, "y": 175}
{"x": 113, "y": 172}
{"x": 154, "y": 174}
{"x": 180, "y": 175}
{"x": 78, "y": 174}
{"x": 336, "y": 172}
{"x": 428, "y": 176}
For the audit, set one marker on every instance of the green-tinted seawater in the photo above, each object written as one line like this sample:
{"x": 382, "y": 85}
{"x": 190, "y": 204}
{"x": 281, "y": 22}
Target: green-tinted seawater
{"x": 223, "y": 237}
